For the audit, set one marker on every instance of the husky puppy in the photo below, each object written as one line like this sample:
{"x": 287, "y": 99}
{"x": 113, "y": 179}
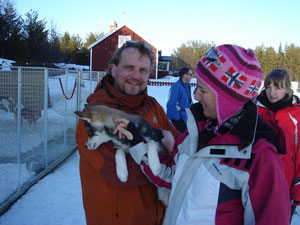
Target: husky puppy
{"x": 100, "y": 126}
{"x": 30, "y": 115}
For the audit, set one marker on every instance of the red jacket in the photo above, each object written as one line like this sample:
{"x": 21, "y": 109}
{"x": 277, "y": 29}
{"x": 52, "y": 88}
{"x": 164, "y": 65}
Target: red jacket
{"x": 106, "y": 199}
{"x": 288, "y": 118}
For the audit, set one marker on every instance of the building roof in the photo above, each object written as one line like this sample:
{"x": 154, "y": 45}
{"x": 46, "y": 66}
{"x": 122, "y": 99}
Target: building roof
{"x": 115, "y": 30}
{"x": 165, "y": 58}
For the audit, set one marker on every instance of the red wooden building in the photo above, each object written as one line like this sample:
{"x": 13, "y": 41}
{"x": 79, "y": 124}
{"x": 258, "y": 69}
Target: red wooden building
{"x": 101, "y": 51}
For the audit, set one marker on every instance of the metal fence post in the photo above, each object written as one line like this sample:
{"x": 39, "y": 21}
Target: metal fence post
{"x": 78, "y": 106}
{"x": 19, "y": 124}
{"x": 90, "y": 81}
{"x": 66, "y": 109}
{"x": 78, "y": 103}
{"x": 46, "y": 117}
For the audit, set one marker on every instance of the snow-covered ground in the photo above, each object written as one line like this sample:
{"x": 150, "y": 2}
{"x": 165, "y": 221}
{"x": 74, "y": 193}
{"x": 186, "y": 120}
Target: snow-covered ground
{"x": 56, "y": 199}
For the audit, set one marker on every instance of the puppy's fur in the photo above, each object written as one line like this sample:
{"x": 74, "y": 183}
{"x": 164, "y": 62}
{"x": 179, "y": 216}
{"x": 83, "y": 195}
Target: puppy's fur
{"x": 100, "y": 126}
{"x": 30, "y": 115}
{"x": 7, "y": 103}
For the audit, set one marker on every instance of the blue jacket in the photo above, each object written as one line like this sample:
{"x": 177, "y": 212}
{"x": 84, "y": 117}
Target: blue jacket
{"x": 179, "y": 99}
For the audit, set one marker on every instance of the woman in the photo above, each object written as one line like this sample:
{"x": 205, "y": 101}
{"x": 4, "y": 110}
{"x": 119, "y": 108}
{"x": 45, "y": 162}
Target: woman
{"x": 277, "y": 102}
{"x": 226, "y": 169}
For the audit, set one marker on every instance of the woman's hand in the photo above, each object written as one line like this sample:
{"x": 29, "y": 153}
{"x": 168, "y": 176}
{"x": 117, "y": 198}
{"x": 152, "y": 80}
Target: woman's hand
{"x": 128, "y": 130}
{"x": 121, "y": 129}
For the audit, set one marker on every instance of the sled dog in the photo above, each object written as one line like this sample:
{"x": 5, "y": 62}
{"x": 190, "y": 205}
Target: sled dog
{"x": 99, "y": 124}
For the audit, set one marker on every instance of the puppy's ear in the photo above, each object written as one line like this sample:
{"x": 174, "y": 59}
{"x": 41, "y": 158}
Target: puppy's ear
{"x": 85, "y": 115}
{"x": 91, "y": 107}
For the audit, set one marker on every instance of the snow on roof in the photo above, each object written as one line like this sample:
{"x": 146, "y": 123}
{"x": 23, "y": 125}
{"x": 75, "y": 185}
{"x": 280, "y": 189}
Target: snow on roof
{"x": 6, "y": 64}
{"x": 71, "y": 66}
{"x": 115, "y": 30}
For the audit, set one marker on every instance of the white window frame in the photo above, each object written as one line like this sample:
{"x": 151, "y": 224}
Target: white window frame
{"x": 122, "y": 39}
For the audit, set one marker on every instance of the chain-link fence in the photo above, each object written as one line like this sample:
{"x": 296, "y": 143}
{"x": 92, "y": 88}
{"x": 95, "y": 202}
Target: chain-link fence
{"x": 37, "y": 123}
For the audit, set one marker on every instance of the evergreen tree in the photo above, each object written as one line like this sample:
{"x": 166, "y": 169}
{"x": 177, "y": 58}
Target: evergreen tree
{"x": 280, "y": 57}
{"x": 72, "y": 48}
{"x": 271, "y": 59}
{"x": 11, "y": 35}
{"x": 292, "y": 61}
{"x": 91, "y": 38}
{"x": 54, "y": 54}
{"x": 36, "y": 38}
{"x": 259, "y": 53}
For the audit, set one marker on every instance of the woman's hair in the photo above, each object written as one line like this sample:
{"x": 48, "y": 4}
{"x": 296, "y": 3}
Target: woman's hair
{"x": 280, "y": 78}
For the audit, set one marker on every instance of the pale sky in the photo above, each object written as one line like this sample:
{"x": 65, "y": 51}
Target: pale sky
{"x": 168, "y": 24}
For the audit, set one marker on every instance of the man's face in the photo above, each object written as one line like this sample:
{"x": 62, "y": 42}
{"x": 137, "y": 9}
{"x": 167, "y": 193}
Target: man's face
{"x": 187, "y": 77}
{"x": 132, "y": 73}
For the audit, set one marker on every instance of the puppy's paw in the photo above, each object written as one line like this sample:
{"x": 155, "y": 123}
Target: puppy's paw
{"x": 153, "y": 158}
{"x": 122, "y": 175}
{"x": 163, "y": 195}
{"x": 121, "y": 165}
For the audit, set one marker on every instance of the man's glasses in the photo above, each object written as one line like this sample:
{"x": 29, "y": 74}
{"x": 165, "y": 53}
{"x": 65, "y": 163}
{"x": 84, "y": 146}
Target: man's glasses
{"x": 136, "y": 44}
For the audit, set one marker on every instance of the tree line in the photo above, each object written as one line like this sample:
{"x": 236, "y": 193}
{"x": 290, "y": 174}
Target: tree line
{"x": 28, "y": 41}
{"x": 287, "y": 57}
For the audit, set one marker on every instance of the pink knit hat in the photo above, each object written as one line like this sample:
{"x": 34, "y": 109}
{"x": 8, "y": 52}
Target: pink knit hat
{"x": 233, "y": 74}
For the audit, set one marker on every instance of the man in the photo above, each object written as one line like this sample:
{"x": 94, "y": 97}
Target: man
{"x": 106, "y": 199}
{"x": 180, "y": 99}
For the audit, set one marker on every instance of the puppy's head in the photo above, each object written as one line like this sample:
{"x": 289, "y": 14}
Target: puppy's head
{"x": 85, "y": 115}
{"x": 94, "y": 132}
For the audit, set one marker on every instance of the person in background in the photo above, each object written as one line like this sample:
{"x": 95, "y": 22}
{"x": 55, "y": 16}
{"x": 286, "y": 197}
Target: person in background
{"x": 226, "y": 168}
{"x": 106, "y": 199}
{"x": 276, "y": 102}
{"x": 180, "y": 99}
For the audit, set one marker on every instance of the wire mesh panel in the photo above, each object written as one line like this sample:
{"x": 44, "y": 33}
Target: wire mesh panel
{"x": 37, "y": 123}
{"x": 61, "y": 117}
{"x": 30, "y": 113}
{"x": 91, "y": 79}
{"x": 8, "y": 126}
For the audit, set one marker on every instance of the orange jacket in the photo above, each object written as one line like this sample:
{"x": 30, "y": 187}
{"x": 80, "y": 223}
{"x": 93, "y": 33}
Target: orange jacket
{"x": 106, "y": 199}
